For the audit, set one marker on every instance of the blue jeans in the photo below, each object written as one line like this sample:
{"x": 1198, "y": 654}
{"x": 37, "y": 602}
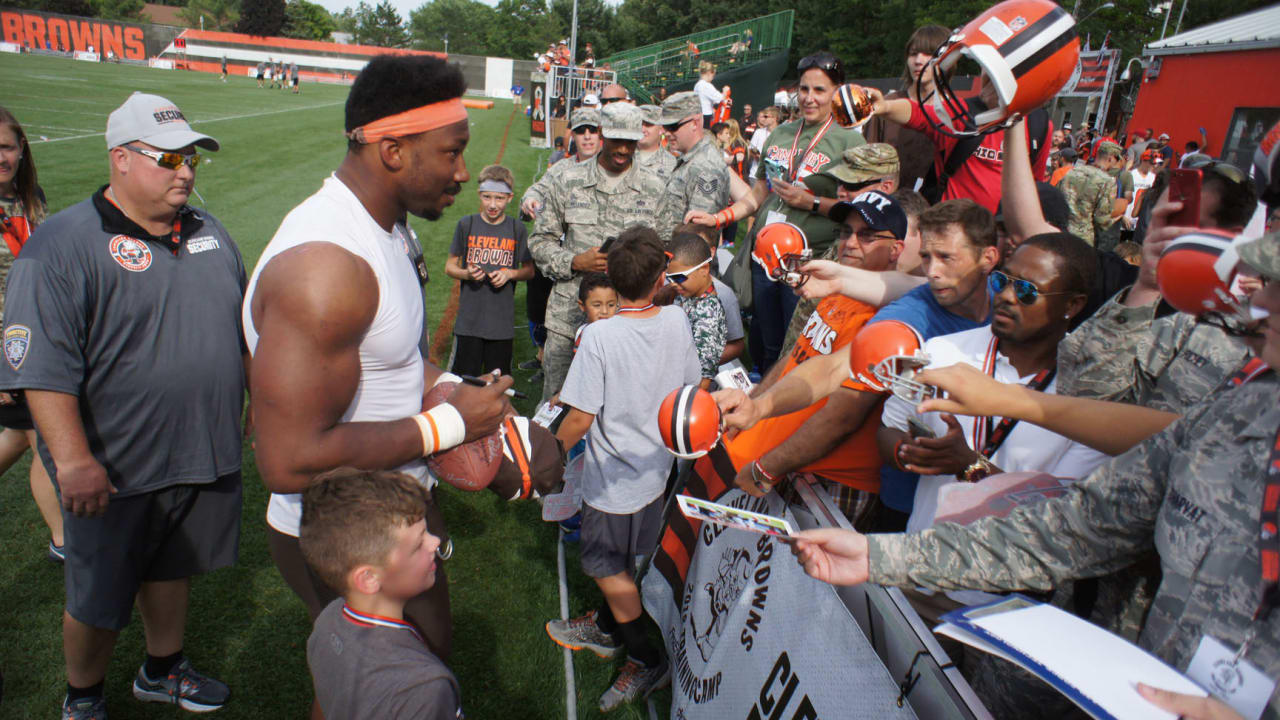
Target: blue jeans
{"x": 772, "y": 305}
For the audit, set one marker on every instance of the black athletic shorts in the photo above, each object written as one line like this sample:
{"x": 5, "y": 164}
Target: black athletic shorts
{"x": 610, "y": 543}
{"x": 430, "y": 611}
{"x": 168, "y": 534}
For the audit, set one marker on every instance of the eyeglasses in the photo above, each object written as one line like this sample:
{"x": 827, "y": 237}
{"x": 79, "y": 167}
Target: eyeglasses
{"x": 168, "y": 160}
{"x": 679, "y": 278}
{"x": 594, "y": 129}
{"x": 1024, "y": 290}
{"x": 606, "y": 101}
{"x": 1226, "y": 170}
{"x": 673, "y": 128}
{"x": 866, "y": 236}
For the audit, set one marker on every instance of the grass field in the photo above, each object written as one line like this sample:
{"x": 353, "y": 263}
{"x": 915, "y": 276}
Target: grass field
{"x": 245, "y": 626}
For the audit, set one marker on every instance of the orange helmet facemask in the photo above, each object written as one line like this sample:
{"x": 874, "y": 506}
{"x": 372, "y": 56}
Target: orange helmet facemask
{"x": 1027, "y": 49}
{"x": 886, "y": 356}
{"x": 780, "y": 249}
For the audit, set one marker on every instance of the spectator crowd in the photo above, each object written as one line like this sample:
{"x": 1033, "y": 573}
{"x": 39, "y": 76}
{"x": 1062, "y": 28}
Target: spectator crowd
{"x": 1097, "y": 306}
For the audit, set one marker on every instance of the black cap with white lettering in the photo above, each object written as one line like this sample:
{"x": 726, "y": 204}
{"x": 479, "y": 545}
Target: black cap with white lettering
{"x": 878, "y": 211}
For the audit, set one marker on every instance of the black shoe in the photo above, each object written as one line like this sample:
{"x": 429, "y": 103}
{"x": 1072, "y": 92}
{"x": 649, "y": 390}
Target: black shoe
{"x": 534, "y": 364}
{"x": 183, "y": 686}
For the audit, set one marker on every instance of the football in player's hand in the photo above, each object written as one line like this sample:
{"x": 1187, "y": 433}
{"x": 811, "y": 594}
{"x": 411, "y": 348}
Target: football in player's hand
{"x": 469, "y": 466}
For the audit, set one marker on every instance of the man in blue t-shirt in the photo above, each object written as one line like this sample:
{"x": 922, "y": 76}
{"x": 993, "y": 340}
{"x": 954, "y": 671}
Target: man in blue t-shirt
{"x": 958, "y": 251}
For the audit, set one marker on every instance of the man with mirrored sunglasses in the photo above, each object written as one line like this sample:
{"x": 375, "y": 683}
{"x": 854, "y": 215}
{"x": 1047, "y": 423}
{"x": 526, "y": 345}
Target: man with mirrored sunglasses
{"x": 122, "y": 326}
{"x": 585, "y": 127}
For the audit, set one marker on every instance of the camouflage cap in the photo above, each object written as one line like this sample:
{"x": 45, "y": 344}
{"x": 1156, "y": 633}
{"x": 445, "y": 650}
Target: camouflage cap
{"x": 584, "y": 116}
{"x": 1262, "y": 254}
{"x": 873, "y": 161}
{"x": 680, "y": 106}
{"x": 1109, "y": 149}
{"x": 652, "y": 114}
{"x": 621, "y": 121}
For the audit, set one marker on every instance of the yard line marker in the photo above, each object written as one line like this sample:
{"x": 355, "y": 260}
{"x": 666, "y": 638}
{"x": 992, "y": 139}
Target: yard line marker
{"x": 244, "y": 116}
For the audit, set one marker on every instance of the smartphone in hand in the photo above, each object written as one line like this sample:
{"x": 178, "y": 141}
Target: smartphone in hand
{"x": 1184, "y": 187}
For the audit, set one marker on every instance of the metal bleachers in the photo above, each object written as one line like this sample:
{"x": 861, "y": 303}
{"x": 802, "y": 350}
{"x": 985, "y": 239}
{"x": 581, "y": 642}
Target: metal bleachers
{"x": 644, "y": 69}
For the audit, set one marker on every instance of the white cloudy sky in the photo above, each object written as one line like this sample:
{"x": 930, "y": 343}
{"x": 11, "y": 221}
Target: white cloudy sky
{"x": 402, "y": 6}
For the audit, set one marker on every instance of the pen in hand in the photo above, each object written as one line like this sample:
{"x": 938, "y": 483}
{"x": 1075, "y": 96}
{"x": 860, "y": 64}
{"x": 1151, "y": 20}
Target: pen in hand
{"x": 481, "y": 382}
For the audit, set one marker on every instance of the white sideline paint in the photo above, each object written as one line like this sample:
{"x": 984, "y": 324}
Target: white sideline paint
{"x": 570, "y": 687}
{"x": 211, "y": 120}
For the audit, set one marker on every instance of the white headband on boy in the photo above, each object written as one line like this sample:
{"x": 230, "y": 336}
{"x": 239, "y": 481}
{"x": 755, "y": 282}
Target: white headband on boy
{"x": 495, "y": 186}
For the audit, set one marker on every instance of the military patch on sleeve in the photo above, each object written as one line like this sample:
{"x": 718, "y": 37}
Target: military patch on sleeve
{"x": 17, "y": 338}
{"x": 708, "y": 185}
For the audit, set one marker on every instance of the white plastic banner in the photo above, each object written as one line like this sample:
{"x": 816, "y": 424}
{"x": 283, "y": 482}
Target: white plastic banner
{"x": 10, "y": 47}
{"x": 161, "y": 64}
{"x": 87, "y": 56}
{"x": 750, "y": 635}
{"x": 498, "y": 77}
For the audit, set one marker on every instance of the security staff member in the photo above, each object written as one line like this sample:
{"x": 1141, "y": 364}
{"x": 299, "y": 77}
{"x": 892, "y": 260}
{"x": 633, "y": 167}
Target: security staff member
{"x": 122, "y": 326}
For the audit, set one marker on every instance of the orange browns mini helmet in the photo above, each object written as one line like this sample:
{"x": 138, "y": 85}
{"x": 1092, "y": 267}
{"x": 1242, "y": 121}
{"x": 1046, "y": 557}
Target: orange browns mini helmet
{"x": 886, "y": 356}
{"x": 689, "y": 422}
{"x": 780, "y": 249}
{"x": 1028, "y": 49}
{"x": 1195, "y": 274}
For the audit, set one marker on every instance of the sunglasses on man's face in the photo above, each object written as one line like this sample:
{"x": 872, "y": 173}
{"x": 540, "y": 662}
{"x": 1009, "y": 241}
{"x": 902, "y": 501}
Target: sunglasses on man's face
{"x": 1226, "y": 170}
{"x": 581, "y": 129}
{"x": 606, "y": 101}
{"x": 168, "y": 160}
{"x": 1024, "y": 290}
{"x": 679, "y": 278}
{"x": 674, "y": 127}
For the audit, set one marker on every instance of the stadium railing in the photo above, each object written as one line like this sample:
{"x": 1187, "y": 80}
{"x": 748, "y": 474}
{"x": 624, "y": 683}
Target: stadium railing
{"x": 929, "y": 680}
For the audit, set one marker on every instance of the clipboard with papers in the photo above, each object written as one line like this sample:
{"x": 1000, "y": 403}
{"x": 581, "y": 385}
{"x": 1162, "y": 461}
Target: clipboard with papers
{"x": 1095, "y": 669}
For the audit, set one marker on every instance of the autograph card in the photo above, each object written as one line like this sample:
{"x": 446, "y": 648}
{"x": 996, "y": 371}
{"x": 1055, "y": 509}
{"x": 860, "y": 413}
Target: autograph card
{"x": 733, "y": 517}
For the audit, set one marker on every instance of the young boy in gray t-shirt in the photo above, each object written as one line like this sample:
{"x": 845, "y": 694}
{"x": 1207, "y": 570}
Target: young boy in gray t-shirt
{"x": 623, "y": 369}
{"x": 364, "y": 532}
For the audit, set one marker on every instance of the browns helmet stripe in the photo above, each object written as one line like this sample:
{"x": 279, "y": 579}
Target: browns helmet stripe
{"x": 1047, "y": 50}
{"x": 683, "y": 440}
{"x": 1032, "y": 33}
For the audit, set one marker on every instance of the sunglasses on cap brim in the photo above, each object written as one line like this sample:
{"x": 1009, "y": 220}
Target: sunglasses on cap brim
{"x": 1225, "y": 170}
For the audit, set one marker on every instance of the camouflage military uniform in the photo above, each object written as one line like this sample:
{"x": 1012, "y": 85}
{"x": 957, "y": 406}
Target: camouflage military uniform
{"x": 1091, "y": 196}
{"x": 700, "y": 181}
{"x": 706, "y": 318}
{"x": 659, "y": 162}
{"x": 1192, "y": 491}
{"x": 1109, "y": 237}
{"x": 585, "y": 206}
{"x": 1167, "y": 362}
{"x": 538, "y": 190}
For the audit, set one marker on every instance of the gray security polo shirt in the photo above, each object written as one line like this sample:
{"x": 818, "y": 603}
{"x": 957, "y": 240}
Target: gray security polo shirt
{"x": 145, "y": 331}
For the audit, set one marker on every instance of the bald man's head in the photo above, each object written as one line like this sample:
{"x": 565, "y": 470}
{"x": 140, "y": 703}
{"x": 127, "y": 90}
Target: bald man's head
{"x": 614, "y": 93}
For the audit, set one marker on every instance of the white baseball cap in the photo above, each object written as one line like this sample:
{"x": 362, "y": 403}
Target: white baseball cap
{"x": 154, "y": 121}
{"x": 591, "y": 100}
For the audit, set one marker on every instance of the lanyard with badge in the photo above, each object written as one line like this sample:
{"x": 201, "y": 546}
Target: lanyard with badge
{"x": 1227, "y": 674}
{"x": 987, "y": 435}
{"x": 796, "y": 163}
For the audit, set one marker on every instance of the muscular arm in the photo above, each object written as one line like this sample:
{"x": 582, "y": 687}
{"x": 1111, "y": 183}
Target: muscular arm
{"x": 809, "y": 382}
{"x": 843, "y": 414}
{"x": 307, "y": 370}
{"x": 876, "y": 288}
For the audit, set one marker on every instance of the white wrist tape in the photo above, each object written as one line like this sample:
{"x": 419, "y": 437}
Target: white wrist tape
{"x": 445, "y": 377}
{"x": 442, "y": 427}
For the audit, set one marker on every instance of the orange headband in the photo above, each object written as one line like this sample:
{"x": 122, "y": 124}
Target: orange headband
{"x": 411, "y": 122}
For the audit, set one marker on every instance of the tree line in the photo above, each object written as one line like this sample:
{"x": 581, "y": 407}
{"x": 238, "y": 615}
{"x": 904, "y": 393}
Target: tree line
{"x": 869, "y": 35}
